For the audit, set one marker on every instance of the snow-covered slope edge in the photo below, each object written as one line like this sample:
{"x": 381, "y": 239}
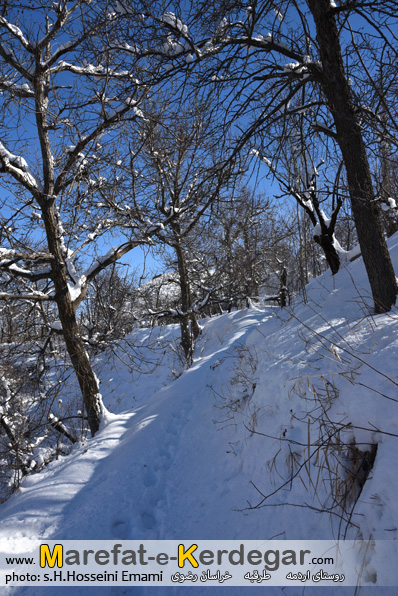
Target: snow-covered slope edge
{"x": 272, "y": 401}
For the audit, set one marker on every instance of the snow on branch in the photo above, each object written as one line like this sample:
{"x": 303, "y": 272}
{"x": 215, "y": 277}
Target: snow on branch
{"x": 264, "y": 159}
{"x": 23, "y": 90}
{"x": 296, "y": 68}
{"x": 60, "y": 427}
{"x": 62, "y": 49}
{"x": 99, "y": 71}
{"x": 111, "y": 256}
{"x": 261, "y": 42}
{"x": 76, "y": 290}
{"x": 79, "y": 289}
{"x": 169, "y": 18}
{"x": 16, "y": 32}
{"x": 173, "y": 48}
{"x": 130, "y": 103}
{"x": 321, "y": 127}
{"x": 26, "y": 256}
{"x": 39, "y": 297}
{"x": 177, "y": 313}
{"x": 14, "y": 269}
{"x": 19, "y": 169}
{"x": 9, "y": 263}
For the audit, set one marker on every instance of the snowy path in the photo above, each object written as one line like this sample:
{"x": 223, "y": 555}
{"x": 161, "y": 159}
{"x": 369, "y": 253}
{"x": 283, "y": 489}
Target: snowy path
{"x": 128, "y": 484}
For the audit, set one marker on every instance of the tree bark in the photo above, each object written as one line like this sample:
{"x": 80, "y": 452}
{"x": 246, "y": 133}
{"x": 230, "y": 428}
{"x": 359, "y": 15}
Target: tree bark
{"x": 331, "y": 255}
{"x": 338, "y": 94}
{"x": 283, "y": 291}
{"x": 85, "y": 375}
{"x": 188, "y": 323}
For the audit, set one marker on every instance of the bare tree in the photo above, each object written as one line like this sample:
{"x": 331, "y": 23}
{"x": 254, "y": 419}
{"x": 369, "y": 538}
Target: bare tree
{"x": 180, "y": 173}
{"x": 240, "y": 251}
{"x": 243, "y": 51}
{"x": 106, "y": 313}
{"x": 68, "y": 86}
{"x": 335, "y": 85}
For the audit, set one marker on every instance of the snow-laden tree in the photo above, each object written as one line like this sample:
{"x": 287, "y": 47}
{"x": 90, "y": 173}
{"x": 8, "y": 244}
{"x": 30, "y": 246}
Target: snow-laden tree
{"x": 259, "y": 57}
{"x": 107, "y": 311}
{"x": 70, "y": 82}
{"x": 298, "y": 177}
{"x": 182, "y": 170}
{"x": 241, "y": 251}
{"x": 335, "y": 85}
{"x": 383, "y": 117}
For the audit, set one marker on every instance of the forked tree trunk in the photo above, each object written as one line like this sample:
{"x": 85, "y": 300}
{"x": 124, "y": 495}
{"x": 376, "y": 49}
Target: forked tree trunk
{"x": 336, "y": 88}
{"x": 331, "y": 254}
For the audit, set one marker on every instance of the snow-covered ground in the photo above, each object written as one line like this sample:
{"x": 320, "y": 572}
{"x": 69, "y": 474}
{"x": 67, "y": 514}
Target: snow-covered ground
{"x": 271, "y": 395}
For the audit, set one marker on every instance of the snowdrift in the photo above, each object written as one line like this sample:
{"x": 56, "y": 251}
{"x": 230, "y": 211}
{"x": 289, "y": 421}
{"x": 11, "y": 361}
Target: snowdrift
{"x": 286, "y": 426}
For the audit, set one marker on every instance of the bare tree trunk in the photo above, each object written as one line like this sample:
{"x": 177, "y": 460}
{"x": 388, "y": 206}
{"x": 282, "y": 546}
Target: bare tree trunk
{"x": 283, "y": 291}
{"x": 188, "y": 323}
{"x": 85, "y": 375}
{"x": 74, "y": 344}
{"x": 336, "y": 88}
{"x": 331, "y": 255}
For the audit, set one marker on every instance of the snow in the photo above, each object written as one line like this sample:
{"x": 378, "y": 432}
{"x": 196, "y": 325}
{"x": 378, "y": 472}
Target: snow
{"x": 24, "y": 88}
{"x": 172, "y": 48}
{"x": 181, "y": 454}
{"x": 295, "y": 67}
{"x": 267, "y": 38}
{"x": 170, "y": 19}
{"x": 129, "y": 102}
{"x": 19, "y": 164}
{"x": 98, "y": 71}
{"x": 76, "y": 289}
{"x": 263, "y": 158}
{"x": 19, "y": 269}
{"x": 70, "y": 264}
{"x": 16, "y": 31}
{"x": 6, "y": 252}
{"x": 121, "y": 9}
{"x": 346, "y": 256}
{"x": 60, "y": 50}
{"x": 101, "y": 260}
{"x": 308, "y": 203}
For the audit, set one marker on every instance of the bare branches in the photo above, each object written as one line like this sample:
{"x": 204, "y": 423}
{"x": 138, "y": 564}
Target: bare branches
{"x": 34, "y": 297}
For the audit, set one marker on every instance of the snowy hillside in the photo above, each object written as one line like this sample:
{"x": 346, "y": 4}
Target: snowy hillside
{"x": 299, "y": 404}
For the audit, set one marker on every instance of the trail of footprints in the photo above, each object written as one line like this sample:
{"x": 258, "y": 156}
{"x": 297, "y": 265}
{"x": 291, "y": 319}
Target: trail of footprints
{"x": 155, "y": 477}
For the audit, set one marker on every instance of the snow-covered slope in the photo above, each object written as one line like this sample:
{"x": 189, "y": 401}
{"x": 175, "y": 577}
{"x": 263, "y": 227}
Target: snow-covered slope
{"x": 273, "y": 401}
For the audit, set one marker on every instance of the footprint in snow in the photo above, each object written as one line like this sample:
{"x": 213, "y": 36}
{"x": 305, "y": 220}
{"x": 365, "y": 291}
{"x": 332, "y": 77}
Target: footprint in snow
{"x": 120, "y": 530}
